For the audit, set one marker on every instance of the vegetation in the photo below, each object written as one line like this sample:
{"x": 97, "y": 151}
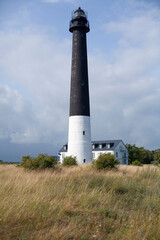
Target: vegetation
{"x": 156, "y": 157}
{"x": 42, "y": 161}
{"x": 105, "y": 161}
{"x": 69, "y": 161}
{"x": 137, "y": 163}
{"x": 144, "y": 156}
{"x": 3, "y": 162}
{"x": 79, "y": 203}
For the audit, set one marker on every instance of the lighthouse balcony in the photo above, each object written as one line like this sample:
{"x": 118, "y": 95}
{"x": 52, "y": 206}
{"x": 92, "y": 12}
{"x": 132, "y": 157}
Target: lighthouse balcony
{"x": 78, "y": 24}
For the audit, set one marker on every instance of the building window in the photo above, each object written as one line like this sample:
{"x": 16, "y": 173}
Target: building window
{"x": 93, "y": 155}
{"x": 93, "y": 146}
{"x": 108, "y": 145}
{"x": 100, "y": 146}
{"x": 84, "y": 133}
{"x": 84, "y": 160}
{"x": 116, "y": 154}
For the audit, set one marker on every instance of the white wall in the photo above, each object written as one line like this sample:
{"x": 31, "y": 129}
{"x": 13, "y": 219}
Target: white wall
{"x": 79, "y": 144}
{"x": 62, "y": 156}
{"x": 121, "y": 149}
{"x": 98, "y": 153}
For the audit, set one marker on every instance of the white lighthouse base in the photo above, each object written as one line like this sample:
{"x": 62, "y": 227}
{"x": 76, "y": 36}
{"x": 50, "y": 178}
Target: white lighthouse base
{"x": 79, "y": 139}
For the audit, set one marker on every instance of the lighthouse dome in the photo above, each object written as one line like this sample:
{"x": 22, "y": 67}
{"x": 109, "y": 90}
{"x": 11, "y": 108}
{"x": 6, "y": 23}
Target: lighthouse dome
{"x": 79, "y": 13}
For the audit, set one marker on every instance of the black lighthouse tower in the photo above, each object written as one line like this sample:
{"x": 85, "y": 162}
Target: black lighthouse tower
{"x": 79, "y": 137}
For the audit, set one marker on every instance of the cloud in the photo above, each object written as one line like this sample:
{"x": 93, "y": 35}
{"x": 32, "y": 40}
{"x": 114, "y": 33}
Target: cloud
{"x": 56, "y": 1}
{"x": 39, "y": 68}
{"x": 16, "y": 116}
{"x": 126, "y": 91}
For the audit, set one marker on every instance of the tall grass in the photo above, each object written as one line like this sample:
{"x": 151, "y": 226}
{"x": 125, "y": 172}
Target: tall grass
{"x": 79, "y": 203}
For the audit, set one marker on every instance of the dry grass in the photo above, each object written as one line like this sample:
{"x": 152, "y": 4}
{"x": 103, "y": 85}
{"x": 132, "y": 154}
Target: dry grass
{"x": 80, "y": 203}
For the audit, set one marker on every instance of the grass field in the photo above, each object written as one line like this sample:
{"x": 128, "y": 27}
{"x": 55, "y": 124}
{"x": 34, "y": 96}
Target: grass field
{"x": 80, "y": 203}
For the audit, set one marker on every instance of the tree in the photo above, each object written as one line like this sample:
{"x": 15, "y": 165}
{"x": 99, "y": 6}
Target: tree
{"x": 156, "y": 157}
{"x": 105, "y": 161}
{"x": 132, "y": 152}
{"x": 145, "y": 156}
{"x": 142, "y": 155}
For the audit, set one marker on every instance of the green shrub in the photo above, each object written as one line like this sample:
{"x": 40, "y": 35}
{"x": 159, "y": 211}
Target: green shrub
{"x": 1, "y": 161}
{"x": 156, "y": 163}
{"x": 69, "y": 161}
{"x": 137, "y": 163}
{"x": 26, "y": 161}
{"x": 156, "y": 158}
{"x": 105, "y": 161}
{"x": 46, "y": 161}
{"x": 42, "y": 161}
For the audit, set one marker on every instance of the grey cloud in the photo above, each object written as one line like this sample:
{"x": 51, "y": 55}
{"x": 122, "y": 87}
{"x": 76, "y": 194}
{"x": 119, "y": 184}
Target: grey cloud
{"x": 17, "y": 117}
{"x": 56, "y": 1}
{"x": 40, "y": 68}
{"x": 126, "y": 92}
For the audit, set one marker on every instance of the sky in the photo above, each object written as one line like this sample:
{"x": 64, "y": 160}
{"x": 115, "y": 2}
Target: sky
{"x": 35, "y": 71}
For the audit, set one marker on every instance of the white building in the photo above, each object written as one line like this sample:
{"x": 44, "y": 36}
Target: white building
{"x": 115, "y": 147}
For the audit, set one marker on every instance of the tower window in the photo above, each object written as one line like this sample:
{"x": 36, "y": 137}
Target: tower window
{"x": 83, "y": 107}
{"x": 84, "y": 160}
{"x": 83, "y": 132}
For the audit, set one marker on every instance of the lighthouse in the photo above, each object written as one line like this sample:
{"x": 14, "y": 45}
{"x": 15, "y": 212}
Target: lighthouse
{"x": 79, "y": 134}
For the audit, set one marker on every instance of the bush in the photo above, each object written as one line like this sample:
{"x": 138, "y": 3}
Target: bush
{"x": 156, "y": 157}
{"x": 156, "y": 163}
{"x": 105, "y": 161}
{"x": 42, "y": 161}
{"x": 26, "y": 161}
{"x": 69, "y": 161}
{"x": 46, "y": 161}
{"x": 137, "y": 163}
{"x": 1, "y": 161}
